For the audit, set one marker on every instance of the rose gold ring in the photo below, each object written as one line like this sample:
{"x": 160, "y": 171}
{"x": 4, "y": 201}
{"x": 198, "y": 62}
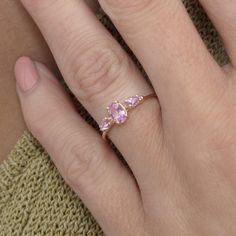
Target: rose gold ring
{"x": 118, "y": 112}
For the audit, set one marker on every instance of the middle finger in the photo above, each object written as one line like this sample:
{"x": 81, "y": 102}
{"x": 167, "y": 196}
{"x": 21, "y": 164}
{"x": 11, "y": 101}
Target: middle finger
{"x": 171, "y": 51}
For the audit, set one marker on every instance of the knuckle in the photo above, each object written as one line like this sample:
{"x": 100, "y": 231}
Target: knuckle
{"x": 84, "y": 170}
{"x": 96, "y": 71}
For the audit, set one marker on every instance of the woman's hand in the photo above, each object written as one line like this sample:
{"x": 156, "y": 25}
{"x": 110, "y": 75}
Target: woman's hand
{"x": 181, "y": 148}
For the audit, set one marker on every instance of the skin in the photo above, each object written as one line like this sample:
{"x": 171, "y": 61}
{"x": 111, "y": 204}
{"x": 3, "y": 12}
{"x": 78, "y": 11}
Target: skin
{"x": 181, "y": 147}
{"x": 18, "y": 26}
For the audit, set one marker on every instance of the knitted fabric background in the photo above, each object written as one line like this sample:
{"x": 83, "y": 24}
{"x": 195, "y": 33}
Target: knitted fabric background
{"x": 34, "y": 200}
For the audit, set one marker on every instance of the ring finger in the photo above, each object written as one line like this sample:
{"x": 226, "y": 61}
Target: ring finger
{"x": 98, "y": 71}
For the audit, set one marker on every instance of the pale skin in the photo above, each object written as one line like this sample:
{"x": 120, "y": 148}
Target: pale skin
{"x": 180, "y": 148}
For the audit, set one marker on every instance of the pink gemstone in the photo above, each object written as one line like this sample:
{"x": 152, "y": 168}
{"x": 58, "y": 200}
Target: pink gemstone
{"x": 117, "y": 112}
{"x": 133, "y": 101}
{"x": 105, "y": 124}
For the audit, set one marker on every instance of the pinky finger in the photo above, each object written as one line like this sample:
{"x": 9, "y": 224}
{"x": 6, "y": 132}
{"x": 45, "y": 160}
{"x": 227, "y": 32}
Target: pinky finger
{"x": 85, "y": 161}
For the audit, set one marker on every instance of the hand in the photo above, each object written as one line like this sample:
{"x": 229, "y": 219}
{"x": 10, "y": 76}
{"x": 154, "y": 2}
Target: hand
{"x": 181, "y": 147}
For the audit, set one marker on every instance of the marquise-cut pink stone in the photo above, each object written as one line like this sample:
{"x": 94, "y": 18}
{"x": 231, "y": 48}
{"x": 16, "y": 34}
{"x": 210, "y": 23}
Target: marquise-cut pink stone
{"x": 133, "y": 101}
{"x": 117, "y": 112}
{"x": 105, "y": 124}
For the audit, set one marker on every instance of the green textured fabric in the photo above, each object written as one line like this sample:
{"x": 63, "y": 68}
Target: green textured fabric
{"x": 34, "y": 200}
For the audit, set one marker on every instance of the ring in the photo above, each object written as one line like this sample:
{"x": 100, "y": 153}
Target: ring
{"x": 118, "y": 112}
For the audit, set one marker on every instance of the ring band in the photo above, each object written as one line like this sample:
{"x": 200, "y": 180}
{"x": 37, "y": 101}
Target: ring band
{"x": 118, "y": 112}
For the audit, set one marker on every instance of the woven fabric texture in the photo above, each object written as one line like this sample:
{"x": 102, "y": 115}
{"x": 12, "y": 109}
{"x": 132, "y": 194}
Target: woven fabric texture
{"x": 34, "y": 200}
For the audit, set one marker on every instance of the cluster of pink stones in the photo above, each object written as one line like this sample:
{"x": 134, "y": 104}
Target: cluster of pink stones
{"x": 118, "y": 112}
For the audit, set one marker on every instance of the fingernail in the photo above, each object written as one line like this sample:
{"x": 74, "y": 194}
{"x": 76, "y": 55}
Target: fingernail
{"x": 26, "y": 74}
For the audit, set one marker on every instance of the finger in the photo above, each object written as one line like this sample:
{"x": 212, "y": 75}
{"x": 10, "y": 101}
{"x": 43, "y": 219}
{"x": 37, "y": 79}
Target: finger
{"x": 98, "y": 71}
{"x": 223, "y": 15}
{"x": 86, "y": 163}
{"x": 167, "y": 44}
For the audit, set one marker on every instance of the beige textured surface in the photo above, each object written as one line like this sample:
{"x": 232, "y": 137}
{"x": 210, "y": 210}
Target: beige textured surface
{"x": 34, "y": 200}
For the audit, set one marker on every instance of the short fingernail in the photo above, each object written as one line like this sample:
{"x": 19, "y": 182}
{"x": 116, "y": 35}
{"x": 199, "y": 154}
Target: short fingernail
{"x": 26, "y": 74}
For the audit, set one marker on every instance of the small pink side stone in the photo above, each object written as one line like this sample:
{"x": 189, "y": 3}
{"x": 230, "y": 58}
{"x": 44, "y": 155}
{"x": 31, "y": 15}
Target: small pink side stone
{"x": 117, "y": 112}
{"x": 105, "y": 124}
{"x": 133, "y": 101}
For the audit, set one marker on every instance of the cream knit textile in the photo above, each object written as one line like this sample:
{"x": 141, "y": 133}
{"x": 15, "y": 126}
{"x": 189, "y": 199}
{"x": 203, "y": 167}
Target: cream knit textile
{"x": 34, "y": 200}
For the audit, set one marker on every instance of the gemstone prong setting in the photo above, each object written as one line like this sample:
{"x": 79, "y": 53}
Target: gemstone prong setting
{"x": 118, "y": 112}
